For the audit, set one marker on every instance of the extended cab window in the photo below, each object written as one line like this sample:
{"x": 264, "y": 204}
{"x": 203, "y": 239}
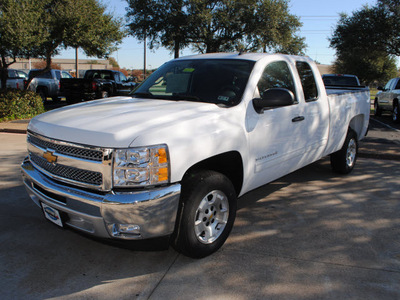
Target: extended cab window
{"x": 307, "y": 81}
{"x": 276, "y": 75}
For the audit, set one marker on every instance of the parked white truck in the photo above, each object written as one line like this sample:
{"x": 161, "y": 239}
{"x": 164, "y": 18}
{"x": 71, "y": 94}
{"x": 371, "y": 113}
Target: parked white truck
{"x": 201, "y": 131}
{"x": 387, "y": 99}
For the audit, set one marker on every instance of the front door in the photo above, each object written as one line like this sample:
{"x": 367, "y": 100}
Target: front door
{"x": 276, "y": 136}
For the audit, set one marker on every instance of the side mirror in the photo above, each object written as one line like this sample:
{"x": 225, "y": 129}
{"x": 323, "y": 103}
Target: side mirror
{"x": 276, "y": 97}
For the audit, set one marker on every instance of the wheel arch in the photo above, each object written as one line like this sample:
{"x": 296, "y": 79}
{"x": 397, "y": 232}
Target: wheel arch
{"x": 395, "y": 101}
{"x": 357, "y": 125}
{"x": 229, "y": 164}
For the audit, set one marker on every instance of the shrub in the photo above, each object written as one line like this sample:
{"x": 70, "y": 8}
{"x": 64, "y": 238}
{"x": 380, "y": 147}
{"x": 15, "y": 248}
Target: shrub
{"x": 17, "y": 104}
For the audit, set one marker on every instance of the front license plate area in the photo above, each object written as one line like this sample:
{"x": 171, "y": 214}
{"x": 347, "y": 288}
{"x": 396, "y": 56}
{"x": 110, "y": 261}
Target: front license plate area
{"x": 52, "y": 214}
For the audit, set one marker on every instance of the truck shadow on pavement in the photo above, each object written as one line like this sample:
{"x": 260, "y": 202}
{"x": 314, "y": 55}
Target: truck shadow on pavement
{"x": 311, "y": 234}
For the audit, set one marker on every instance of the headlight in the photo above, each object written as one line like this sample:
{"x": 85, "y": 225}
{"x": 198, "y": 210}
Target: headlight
{"x": 141, "y": 166}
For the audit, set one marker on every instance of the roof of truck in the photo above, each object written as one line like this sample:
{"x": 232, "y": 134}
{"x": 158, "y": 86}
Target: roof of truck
{"x": 238, "y": 55}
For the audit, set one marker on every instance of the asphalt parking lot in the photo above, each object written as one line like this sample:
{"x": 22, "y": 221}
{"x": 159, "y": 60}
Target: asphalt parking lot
{"x": 310, "y": 235}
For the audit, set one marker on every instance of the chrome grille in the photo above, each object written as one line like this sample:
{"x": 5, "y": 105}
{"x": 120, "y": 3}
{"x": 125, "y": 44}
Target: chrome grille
{"x": 88, "y": 177}
{"x": 76, "y": 164}
{"x": 83, "y": 153}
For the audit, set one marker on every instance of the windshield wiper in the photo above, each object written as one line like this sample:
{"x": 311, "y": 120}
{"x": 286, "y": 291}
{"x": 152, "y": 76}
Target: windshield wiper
{"x": 143, "y": 95}
{"x": 185, "y": 97}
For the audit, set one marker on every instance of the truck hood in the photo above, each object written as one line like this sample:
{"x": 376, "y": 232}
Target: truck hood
{"x": 117, "y": 122}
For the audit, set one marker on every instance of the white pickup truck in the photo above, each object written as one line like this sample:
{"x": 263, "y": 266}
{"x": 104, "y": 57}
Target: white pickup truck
{"x": 172, "y": 159}
{"x": 387, "y": 99}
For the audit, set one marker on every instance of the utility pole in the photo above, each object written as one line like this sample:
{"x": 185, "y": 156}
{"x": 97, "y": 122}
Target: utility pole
{"x": 144, "y": 59}
{"x": 76, "y": 63}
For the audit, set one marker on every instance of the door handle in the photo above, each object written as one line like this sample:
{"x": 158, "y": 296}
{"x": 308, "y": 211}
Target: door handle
{"x": 298, "y": 119}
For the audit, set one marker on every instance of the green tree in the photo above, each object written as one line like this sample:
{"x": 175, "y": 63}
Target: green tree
{"x": 388, "y": 27}
{"x": 161, "y": 22}
{"x": 20, "y": 31}
{"x": 247, "y": 25}
{"x": 369, "y": 68}
{"x": 113, "y": 62}
{"x": 363, "y": 46}
{"x": 78, "y": 24}
{"x": 212, "y": 26}
{"x": 363, "y": 31}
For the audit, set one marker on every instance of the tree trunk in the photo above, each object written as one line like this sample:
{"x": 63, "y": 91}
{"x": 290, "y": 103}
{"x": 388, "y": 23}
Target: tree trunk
{"x": 176, "y": 49}
{"x": 4, "y": 73}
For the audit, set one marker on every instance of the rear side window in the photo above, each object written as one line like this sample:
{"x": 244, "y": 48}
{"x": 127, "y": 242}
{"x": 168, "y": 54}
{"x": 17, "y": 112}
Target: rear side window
{"x": 307, "y": 81}
{"x": 36, "y": 74}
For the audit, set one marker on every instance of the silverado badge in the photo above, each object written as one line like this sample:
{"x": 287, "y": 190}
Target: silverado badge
{"x": 50, "y": 157}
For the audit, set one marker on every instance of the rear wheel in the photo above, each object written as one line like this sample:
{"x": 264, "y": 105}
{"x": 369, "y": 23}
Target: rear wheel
{"x": 344, "y": 160}
{"x": 396, "y": 113}
{"x": 42, "y": 93}
{"x": 206, "y": 215}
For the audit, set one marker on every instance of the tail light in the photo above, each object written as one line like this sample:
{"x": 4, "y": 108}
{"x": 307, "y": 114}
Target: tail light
{"x": 94, "y": 86}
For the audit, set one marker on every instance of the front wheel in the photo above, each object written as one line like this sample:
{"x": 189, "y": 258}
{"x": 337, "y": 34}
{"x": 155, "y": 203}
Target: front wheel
{"x": 206, "y": 215}
{"x": 344, "y": 160}
{"x": 104, "y": 94}
{"x": 396, "y": 113}
{"x": 377, "y": 109}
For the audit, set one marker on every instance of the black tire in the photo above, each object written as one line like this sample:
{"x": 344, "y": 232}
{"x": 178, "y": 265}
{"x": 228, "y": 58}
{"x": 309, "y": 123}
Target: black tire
{"x": 42, "y": 93}
{"x": 377, "y": 109}
{"x": 396, "y": 113}
{"x": 344, "y": 160}
{"x": 70, "y": 100}
{"x": 104, "y": 94}
{"x": 208, "y": 201}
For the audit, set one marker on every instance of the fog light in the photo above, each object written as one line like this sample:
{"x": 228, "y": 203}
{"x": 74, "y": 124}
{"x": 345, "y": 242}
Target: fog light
{"x": 127, "y": 231}
{"x": 128, "y": 228}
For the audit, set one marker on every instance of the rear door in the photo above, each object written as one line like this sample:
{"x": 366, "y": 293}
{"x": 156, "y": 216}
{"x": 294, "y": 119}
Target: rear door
{"x": 316, "y": 113}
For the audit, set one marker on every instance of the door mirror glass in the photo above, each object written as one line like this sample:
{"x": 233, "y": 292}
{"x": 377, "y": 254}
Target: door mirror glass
{"x": 275, "y": 97}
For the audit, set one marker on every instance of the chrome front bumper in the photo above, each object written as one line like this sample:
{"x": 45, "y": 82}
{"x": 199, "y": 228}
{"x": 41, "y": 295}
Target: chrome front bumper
{"x": 125, "y": 215}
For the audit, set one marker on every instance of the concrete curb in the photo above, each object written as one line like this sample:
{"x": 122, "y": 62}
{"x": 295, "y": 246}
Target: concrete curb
{"x": 10, "y": 130}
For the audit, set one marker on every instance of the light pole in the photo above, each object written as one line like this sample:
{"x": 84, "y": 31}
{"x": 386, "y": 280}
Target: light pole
{"x": 144, "y": 59}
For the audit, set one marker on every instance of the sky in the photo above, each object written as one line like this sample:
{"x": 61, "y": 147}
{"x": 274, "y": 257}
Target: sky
{"x": 319, "y": 18}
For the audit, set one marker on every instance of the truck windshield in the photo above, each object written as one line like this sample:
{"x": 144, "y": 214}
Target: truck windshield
{"x": 203, "y": 80}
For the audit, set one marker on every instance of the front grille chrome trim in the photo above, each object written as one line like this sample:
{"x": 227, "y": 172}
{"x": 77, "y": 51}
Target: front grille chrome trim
{"x": 83, "y": 169}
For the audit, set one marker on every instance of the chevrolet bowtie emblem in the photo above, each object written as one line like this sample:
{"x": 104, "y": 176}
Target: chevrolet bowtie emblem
{"x": 50, "y": 157}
